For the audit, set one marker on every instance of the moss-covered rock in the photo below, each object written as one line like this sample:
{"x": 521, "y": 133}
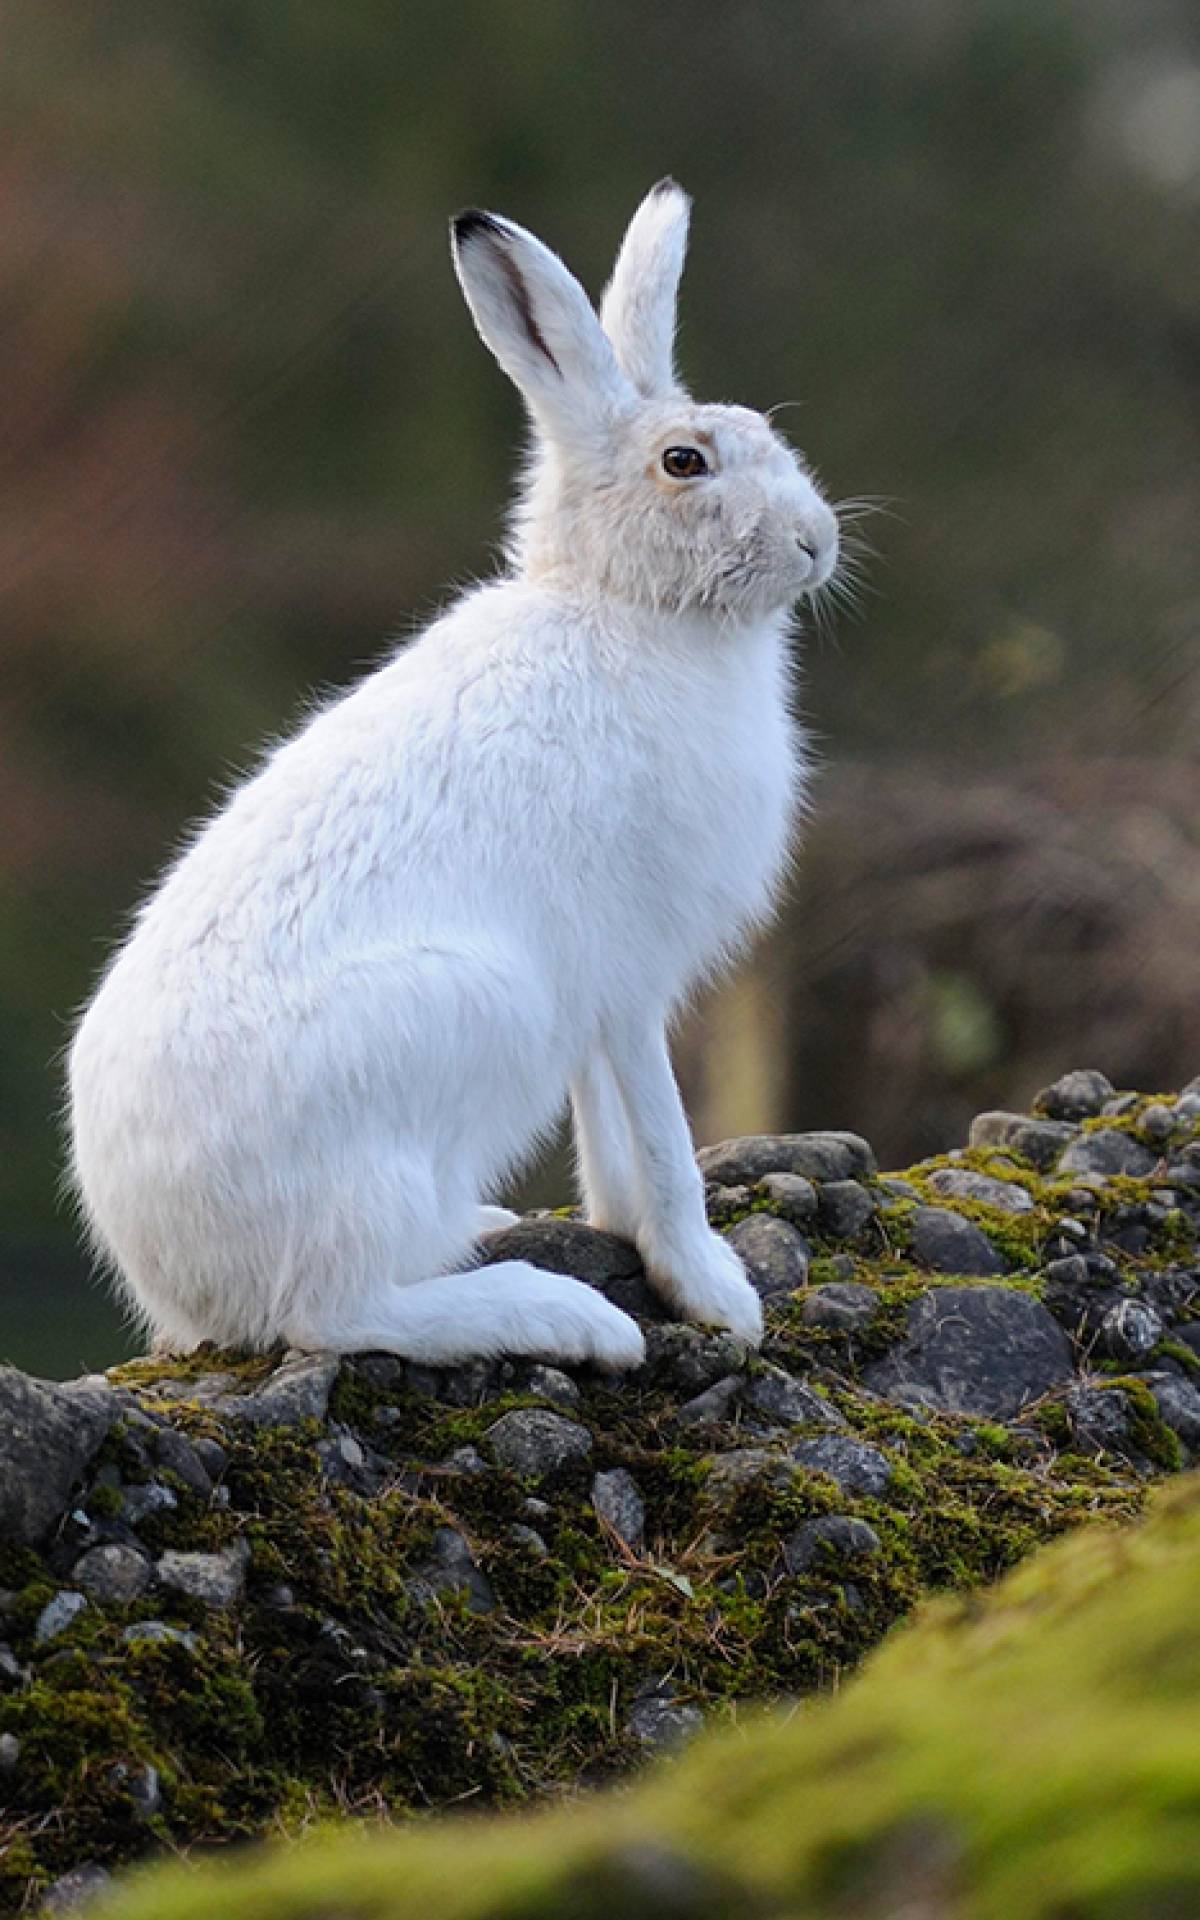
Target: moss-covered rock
{"x": 1025, "y": 1755}
{"x": 370, "y": 1588}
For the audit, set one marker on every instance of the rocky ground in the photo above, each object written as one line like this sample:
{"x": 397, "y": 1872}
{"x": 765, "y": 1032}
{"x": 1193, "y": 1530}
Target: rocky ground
{"x": 240, "y": 1594}
{"x": 1028, "y": 1754}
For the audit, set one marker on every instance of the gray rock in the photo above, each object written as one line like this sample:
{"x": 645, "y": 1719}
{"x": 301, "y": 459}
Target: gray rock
{"x": 1130, "y": 1330}
{"x": 10, "y": 1752}
{"x": 1108, "y": 1151}
{"x": 1071, "y": 1297}
{"x": 715, "y": 1403}
{"x": 552, "y": 1384}
{"x": 817, "y": 1156}
{"x": 1171, "y": 1291}
{"x": 775, "y": 1254}
{"x": 897, "y": 1189}
{"x": 178, "y": 1455}
{"x": 57, "y": 1615}
{"x": 158, "y": 1630}
{"x": 298, "y": 1390}
{"x": 963, "y": 1183}
{"x": 530, "y": 1539}
{"x": 986, "y": 1351}
{"x": 49, "y": 1436}
{"x": 113, "y": 1572}
{"x": 1189, "y": 1335}
{"x": 216, "y": 1579}
{"x": 211, "y": 1455}
{"x": 1100, "y": 1421}
{"x": 793, "y": 1196}
{"x": 536, "y": 1442}
{"x": 857, "y": 1467}
{"x": 469, "y": 1385}
{"x": 845, "y": 1306}
{"x": 1076, "y": 1096}
{"x": 1040, "y": 1141}
{"x": 1178, "y": 1403}
{"x": 690, "y": 1358}
{"x": 141, "y": 1786}
{"x": 76, "y": 1889}
{"x": 1185, "y": 1172}
{"x": 344, "y": 1463}
{"x": 832, "y": 1538}
{"x": 619, "y": 1504}
{"x": 384, "y": 1372}
{"x": 731, "y": 1473}
{"x": 453, "y": 1569}
{"x": 12, "y": 1674}
{"x": 1157, "y": 1123}
{"x": 724, "y": 1204}
{"x": 1073, "y": 1230}
{"x": 780, "y": 1396}
{"x": 845, "y": 1208}
{"x": 950, "y": 1244}
{"x": 141, "y": 1502}
{"x": 1085, "y": 1199}
{"x": 466, "y": 1460}
{"x": 659, "y": 1720}
{"x": 606, "y": 1262}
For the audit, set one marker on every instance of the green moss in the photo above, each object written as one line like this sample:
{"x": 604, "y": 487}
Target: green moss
{"x": 1179, "y": 1351}
{"x": 1149, "y": 1432}
{"x": 1021, "y": 1757}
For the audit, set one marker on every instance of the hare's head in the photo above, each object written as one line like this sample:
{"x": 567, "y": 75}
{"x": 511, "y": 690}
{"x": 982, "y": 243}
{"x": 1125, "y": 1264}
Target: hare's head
{"x": 636, "y": 490}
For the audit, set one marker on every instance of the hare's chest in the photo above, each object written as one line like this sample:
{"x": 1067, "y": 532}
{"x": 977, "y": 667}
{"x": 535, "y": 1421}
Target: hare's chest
{"x": 713, "y": 802}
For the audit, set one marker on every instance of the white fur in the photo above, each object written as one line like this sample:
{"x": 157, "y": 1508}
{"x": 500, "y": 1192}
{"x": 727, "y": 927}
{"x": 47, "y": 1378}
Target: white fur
{"x": 488, "y": 874}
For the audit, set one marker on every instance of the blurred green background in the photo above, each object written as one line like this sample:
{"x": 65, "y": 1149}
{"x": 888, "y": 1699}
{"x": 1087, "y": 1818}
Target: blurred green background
{"x": 249, "y": 435}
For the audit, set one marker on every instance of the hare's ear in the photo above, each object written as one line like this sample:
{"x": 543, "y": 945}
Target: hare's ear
{"x": 540, "y": 324}
{"x": 638, "y": 309}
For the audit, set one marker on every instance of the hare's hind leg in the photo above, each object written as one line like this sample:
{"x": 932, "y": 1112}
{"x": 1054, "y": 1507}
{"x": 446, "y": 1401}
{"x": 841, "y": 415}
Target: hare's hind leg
{"x": 511, "y": 1308}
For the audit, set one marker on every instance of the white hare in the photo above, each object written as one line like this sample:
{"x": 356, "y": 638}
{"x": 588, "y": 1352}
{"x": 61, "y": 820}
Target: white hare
{"x": 485, "y": 877}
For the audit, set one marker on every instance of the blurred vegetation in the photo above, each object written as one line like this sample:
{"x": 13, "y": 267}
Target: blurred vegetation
{"x": 1024, "y": 1755}
{"x": 249, "y": 432}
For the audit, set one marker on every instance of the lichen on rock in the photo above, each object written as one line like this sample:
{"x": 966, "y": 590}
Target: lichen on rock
{"x": 280, "y": 1588}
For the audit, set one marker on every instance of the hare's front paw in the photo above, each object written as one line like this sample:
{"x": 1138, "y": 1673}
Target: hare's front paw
{"x": 705, "y": 1281}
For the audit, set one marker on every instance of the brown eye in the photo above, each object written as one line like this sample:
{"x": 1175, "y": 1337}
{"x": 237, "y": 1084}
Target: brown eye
{"x": 684, "y": 463}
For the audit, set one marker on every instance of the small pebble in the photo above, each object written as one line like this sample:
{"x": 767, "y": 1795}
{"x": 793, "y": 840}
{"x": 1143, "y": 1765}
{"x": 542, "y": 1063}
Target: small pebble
{"x": 57, "y": 1615}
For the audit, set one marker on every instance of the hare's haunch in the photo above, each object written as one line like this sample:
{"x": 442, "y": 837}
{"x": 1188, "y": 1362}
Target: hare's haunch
{"x": 485, "y": 877}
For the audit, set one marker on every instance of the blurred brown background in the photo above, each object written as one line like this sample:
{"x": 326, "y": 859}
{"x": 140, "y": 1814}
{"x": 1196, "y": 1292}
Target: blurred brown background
{"x": 249, "y": 434}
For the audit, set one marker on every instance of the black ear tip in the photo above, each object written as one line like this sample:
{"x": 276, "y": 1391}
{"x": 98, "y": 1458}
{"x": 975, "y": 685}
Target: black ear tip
{"x": 668, "y": 184}
{"x": 472, "y": 222}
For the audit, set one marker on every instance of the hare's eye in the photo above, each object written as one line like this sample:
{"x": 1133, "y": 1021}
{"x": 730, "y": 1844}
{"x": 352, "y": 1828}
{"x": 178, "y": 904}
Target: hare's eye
{"x": 684, "y": 463}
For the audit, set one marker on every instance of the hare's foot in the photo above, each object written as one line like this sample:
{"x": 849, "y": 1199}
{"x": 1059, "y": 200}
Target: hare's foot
{"x": 494, "y": 1220}
{"x": 510, "y": 1308}
{"x": 700, "y": 1275}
